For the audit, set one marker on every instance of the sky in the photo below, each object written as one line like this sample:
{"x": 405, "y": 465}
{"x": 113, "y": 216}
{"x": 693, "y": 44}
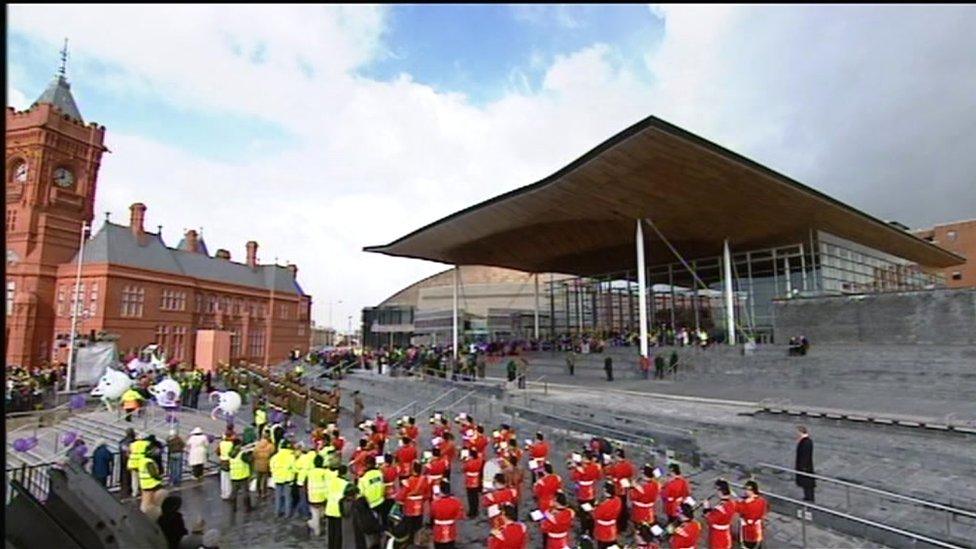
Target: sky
{"x": 318, "y": 130}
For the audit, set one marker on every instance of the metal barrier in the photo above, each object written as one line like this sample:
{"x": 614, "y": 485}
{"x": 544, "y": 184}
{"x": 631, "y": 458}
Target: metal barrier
{"x": 848, "y": 486}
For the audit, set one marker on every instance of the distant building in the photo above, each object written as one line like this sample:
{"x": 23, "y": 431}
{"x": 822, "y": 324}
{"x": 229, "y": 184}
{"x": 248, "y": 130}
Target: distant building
{"x": 132, "y": 284}
{"x": 958, "y": 237}
{"x": 323, "y": 336}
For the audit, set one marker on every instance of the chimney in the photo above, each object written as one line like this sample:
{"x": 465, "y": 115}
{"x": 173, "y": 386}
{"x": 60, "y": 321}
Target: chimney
{"x": 252, "y": 254}
{"x": 137, "y": 215}
{"x": 222, "y": 254}
{"x": 192, "y": 241}
{"x": 293, "y": 269}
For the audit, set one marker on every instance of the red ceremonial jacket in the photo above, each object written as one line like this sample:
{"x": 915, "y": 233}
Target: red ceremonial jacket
{"x": 513, "y": 535}
{"x": 719, "y": 519}
{"x": 585, "y": 477}
{"x": 556, "y": 525}
{"x": 643, "y": 494}
{"x": 545, "y": 490}
{"x": 445, "y": 512}
{"x": 605, "y": 515}
{"x": 752, "y": 514}
{"x": 674, "y": 493}
{"x": 472, "y": 469}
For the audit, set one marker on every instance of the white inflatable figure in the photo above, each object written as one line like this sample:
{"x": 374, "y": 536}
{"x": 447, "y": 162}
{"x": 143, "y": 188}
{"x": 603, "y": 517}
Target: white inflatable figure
{"x": 228, "y": 402}
{"x": 111, "y": 386}
{"x": 167, "y": 395}
{"x": 138, "y": 367}
{"x": 491, "y": 468}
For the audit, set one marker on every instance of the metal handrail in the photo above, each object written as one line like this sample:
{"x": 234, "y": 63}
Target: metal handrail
{"x": 894, "y": 530}
{"x": 430, "y": 406}
{"x": 892, "y": 495}
{"x": 403, "y": 408}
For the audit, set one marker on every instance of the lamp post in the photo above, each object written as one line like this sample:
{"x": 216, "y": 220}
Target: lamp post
{"x": 74, "y": 309}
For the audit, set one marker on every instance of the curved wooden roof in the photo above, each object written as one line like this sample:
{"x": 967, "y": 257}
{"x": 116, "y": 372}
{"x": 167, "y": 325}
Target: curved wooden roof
{"x": 581, "y": 219}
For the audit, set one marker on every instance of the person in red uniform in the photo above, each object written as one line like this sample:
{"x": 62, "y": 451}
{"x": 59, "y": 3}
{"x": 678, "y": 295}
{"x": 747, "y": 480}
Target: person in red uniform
{"x": 501, "y": 495}
{"x": 686, "y": 531}
{"x": 411, "y": 496}
{"x": 445, "y": 511}
{"x": 449, "y": 450}
{"x": 472, "y": 466}
{"x": 338, "y": 441}
{"x": 719, "y": 517}
{"x": 605, "y": 514}
{"x": 411, "y": 429}
{"x": 501, "y": 435}
{"x": 752, "y": 511}
{"x": 546, "y": 487}
{"x": 643, "y": 495}
{"x": 377, "y": 440}
{"x": 515, "y": 478}
{"x": 674, "y": 492}
{"x": 584, "y": 475}
{"x": 539, "y": 449}
{"x": 621, "y": 472}
{"x": 436, "y": 469}
{"x": 509, "y": 534}
{"x": 405, "y": 456}
{"x": 358, "y": 463}
{"x": 480, "y": 442}
{"x": 391, "y": 482}
{"x": 645, "y": 538}
{"x": 557, "y": 523}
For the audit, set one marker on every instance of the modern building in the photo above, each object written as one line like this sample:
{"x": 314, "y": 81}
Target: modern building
{"x": 133, "y": 285}
{"x": 655, "y": 205}
{"x": 958, "y": 237}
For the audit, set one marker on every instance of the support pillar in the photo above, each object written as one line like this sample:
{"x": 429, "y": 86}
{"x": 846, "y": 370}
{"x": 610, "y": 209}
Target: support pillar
{"x": 455, "y": 313}
{"x": 535, "y": 318}
{"x": 641, "y": 290}
{"x": 729, "y": 297}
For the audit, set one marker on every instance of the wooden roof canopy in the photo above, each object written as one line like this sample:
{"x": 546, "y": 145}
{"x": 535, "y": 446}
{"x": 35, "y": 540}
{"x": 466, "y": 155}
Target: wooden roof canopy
{"x": 581, "y": 220}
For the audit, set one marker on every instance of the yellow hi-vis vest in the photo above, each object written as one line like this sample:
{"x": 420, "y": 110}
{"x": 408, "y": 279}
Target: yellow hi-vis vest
{"x": 239, "y": 469}
{"x": 335, "y": 489}
{"x": 372, "y": 488}
{"x": 303, "y": 465}
{"x": 146, "y": 480}
{"x": 283, "y": 466}
{"x": 224, "y": 448}
{"x": 318, "y": 484}
{"x": 137, "y": 451}
{"x": 260, "y": 417}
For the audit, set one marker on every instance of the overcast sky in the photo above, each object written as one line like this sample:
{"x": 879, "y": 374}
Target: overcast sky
{"x": 317, "y": 130}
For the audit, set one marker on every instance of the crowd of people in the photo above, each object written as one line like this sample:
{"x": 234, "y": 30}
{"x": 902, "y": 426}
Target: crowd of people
{"x": 32, "y": 388}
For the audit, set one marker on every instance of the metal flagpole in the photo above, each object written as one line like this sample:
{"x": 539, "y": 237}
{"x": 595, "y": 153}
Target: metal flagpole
{"x": 536, "y": 315}
{"x": 641, "y": 290}
{"x": 455, "y": 315}
{"x": 74, "y": 308}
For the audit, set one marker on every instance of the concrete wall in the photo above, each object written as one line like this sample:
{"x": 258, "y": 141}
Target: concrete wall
{"x": 930, "y": 317}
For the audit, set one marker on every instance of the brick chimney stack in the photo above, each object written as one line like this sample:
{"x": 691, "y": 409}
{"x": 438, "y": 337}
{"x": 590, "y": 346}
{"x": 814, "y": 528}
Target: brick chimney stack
{"x": 293, "y": 269}
{"x": 137, "y": 216}
{"x": 222, "y": 254}
{"x": 252, "y": 254}
{"x": 192, "y": 241}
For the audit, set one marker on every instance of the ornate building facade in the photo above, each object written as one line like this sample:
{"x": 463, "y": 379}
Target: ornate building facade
{"x": 132, "y": 285}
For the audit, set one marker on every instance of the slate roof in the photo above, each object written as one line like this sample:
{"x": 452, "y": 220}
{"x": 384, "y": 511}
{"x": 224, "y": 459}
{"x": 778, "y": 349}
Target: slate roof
{"x": 116, "y": 245}
{"x": 200, "y": 242}
{"x": 58, "y": 93}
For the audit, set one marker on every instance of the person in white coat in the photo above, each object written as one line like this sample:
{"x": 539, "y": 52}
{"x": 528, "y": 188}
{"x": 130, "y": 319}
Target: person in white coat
{"x": 197, "y": 445}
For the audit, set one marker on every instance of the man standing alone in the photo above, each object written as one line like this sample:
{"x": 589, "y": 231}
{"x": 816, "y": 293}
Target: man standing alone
{"x": 608, "y": 367}
{"x": 804, "y": 463}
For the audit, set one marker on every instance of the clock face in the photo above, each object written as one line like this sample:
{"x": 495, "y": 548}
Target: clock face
{"x": 63, "y": 178}
{"x": 20, "y": 173}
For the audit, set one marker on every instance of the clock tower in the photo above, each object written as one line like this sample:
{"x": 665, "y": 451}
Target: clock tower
{"x": 52, "y": 160}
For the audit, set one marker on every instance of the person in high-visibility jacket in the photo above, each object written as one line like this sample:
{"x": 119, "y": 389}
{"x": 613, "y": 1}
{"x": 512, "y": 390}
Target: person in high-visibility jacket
{"x": 137, "y": 453}
{"x": 283, "y": 475}
{"x": 371, "y": 485}
{"x": 240, "y": 475}
{"x": 131, "y": 402}
{"x": 223, "y": 454}
{"x": 719, "y": 517}
{"x": 150, "y": 481}
{"x": 316, "y": 483}
{"x": 303, "y": 464}
{"x": 335, "y": 492}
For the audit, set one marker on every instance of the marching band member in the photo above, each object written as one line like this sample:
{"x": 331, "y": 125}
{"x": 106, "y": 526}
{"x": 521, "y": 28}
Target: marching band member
{"x": 584, "y": 474}
{"x": 501, "y": 495}
{"x": 405, "y": 456}
{"x": 436, "y": 469}
{"x": 539, "y": 449}
{"x": 719, "y": 517}
{"x": 445, "y": 511}
{"x": 509, "y": 534}
{"x": 643, "y": 495}
{"x": 674, "y": 493}
{"x": 752, "y": 510}
{"x": 472, "y": 465}
{"x": 606, "y": 514}
{"x": 621, "y": 472}
{"x": 686, "y": 531}
{"x": 557, "y": 522}
{"x": 411, "y": 496}
{"x": 547, "y": 487}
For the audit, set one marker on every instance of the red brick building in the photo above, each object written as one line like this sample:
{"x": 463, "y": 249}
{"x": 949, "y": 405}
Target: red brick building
{"x": 957, "y": 237}
{"x": 132, "y": 284}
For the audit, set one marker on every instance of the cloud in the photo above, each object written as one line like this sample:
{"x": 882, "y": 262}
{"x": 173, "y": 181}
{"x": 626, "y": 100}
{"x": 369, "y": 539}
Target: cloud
{"x": 850, "y": 100}
{"x": 16, "y": 99}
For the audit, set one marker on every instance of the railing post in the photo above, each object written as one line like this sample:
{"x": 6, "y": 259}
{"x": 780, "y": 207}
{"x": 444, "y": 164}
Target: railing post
{"x": 803, "y": 526}
{"x": 847, "y": 490}
{"x": 948, "y": 515}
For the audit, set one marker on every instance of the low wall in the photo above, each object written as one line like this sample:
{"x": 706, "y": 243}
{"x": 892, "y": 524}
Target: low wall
{"x": 928, "y": 317}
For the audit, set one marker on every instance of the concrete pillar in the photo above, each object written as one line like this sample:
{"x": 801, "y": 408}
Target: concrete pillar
{"x": 641, "y": 290}
{"x": 729, "y": 298}
{"x": 455, "y": 314}
{"x": 535, "y": 319}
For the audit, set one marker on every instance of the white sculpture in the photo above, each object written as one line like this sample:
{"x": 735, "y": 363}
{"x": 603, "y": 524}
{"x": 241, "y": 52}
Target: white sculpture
{"x": 228, "y": 402}
{"x": 111, "y": 386}
{"x": 167, "y": 393}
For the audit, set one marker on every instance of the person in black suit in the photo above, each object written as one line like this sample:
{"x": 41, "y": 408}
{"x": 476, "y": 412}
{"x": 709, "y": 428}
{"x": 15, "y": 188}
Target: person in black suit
{"x": 804, "y": 463}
